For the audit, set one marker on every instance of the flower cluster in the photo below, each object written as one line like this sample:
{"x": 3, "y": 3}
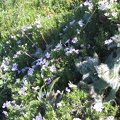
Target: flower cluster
{"x": 33, "y": 77}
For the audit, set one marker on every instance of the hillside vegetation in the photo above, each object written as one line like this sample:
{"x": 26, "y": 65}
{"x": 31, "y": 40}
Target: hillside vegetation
{"x": 59, "y": 60}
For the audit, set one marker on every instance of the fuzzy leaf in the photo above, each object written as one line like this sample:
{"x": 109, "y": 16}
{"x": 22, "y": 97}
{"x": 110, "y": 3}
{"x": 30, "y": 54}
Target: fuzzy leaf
{"x": 111, "y": 95}
{"x": 115, "y": 43}
{"x": 103, "y": 72}
{"x": 38, "y": 53}
{"x": 87, "y": 68}
{"x": 100, "y": 84}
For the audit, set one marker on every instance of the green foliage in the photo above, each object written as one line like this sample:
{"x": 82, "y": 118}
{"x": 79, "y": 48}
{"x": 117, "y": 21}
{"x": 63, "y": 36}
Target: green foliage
{"x": 105, "y": 74}
{"x": 77, "y": 104}
{"x": 39, "y": 57}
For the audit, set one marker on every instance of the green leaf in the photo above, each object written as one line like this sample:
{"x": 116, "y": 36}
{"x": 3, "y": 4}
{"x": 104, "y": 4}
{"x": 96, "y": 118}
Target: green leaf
{"x": 52, "y": 84}
{"x": 34, "y": 103}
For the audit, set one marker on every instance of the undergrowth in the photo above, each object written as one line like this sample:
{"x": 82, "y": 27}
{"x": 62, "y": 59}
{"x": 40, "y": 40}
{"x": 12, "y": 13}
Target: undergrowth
{"x": 53, "y": 57}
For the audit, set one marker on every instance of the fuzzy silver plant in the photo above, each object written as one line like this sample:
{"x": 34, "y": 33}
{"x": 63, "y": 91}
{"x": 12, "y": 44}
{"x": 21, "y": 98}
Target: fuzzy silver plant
{"x": 87, "y": 68}
{"x": 103, "y": 75}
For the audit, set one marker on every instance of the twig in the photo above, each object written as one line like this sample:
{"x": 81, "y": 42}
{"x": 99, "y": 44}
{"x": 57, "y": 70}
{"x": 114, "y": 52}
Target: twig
{"x": 89, "y": 19}
{"x": 43, "y": 38}
{"x": 28, "y": 55}
{"x": 29, "y": 38}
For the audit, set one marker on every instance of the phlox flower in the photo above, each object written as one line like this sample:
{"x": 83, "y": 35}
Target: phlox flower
{"x": 76, "y": 119}
{"x": 33, "y": 45}
{"x": 38, "y": 61}
{"x": 39, "y": 26}
{"x": 106, "y": 14}
{"x": 19, "y": 71}
{"x": 113, "y": 0}
{"x": 58, "y": 47}
{"x": 86, "y": 3}
{"x": 52, "y": 68}
{"x": 48, "y": 80}
{"x": 23, "y": 29}
{"x": 88, "y": 46}
{"x": 77, "y": 51}
{"x": 4, "y": 66}
{"x": 44, "y": 66}
{"x": 38, "y": 117}
{"x": 52, "y": 60}
{"x": 29, "y": 27}
{"x": 42, "y": 94}
{"x": 30, "y": 71}
{"x": 70, "y": 50}
{"x": 114, "y": 14}
{"x": 7, "y": 42}
{"x": 6, "y": 104}
{"x": 58, "y": 91}
{"x": 43, "y": 61}
{"x": 107, "y": 42}
{"x": 98, "y": 106}
{"x": 78, "y": 31}
{"x": 66, "y": 27}
{"x": 108, "y": 118}
{"x": 74, "y": 40}
{"x": 47, "y": 55}
{"x": 59, "y": 104}
{"x": 22, "y": 90}
{"x": 72, "y": 85}
{"x": 17, "y": 54}
{"x": 102, "y": 2}
{"x": 89, "y": 4}
{"x": 14, "y": 66}
{"x": 67, "y": 89}
{"x": 36, "y": 88}
{"x": 81, "y": 5}
{"x": 25, "y": 82}
{"x": 16, "y": 106}
{"x": 5, "y": 112}
{"x": 18, "y": 42}
{"x": 80, "y": 22}
{"x": 104, "y": 5}
{"x": 82, "y": 45}
{"x": 72, "y": 22}
{"x": 12, "y": 36}
{"x": 66, "y": 49}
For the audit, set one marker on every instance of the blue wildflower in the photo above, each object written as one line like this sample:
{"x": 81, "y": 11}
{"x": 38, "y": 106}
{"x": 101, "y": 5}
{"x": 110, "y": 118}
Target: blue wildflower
{"x": 14, "y": 67}
{"x": 47, "y": 55}
{"x": 30, "y": 71}
{"x": 52, "y": 68}
{"x": 80, "y": 22}
{"x": 74, "y": 40}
